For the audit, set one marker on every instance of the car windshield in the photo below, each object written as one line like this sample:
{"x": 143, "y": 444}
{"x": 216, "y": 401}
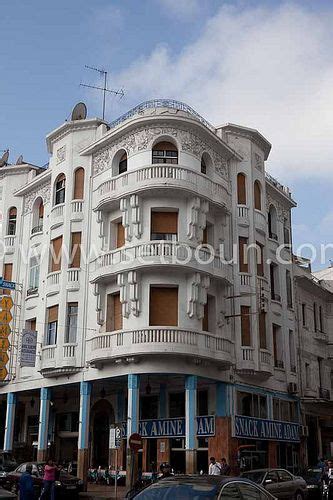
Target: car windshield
{"x": 180, "y": 491}
{"x": 255, "y": 476}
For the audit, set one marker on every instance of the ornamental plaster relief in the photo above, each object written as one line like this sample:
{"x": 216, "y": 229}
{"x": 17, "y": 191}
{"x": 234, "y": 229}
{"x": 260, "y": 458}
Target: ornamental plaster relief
{"x": 43, "y": 191}
{"x": 282, "y": 213}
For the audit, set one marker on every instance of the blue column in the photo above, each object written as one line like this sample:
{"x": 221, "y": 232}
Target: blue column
{"x": 43, "y": 430}
{"x": 190, "y": 411}
{"x": 133, "y": 404}
{"x": 85, "y": 394}
{"x": 10, "y": 419}
{"x": 163, "y": 401}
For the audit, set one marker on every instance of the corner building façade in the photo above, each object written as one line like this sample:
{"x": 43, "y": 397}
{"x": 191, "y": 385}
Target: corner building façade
{"x": 117, "y": 249}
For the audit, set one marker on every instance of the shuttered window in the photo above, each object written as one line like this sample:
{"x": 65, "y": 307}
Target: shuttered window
{"x": 262, "y": 330}
{"x": 79, "y": 184}
{"x": 56, "y": 251}
{"x": 243, "y": 255}
{"x": 75, "y": 250}
{"x": 163, "y": 307}
{"x": 241, "y": 189}
{"x": 245, "y": 326}
{"x": 114, "y": 318}
{"x": 60, "y": 189}
{"x": 257, "y": 195}
{"x": 52, "y": 326}
{"x": 260, "y": 259}
{"x": 164, "y": 225}
{"x": 165, "y": 152}
{"x": 7, "y": 275}
{"x": 120, "y": 235}
{"x": 12, "y": 216}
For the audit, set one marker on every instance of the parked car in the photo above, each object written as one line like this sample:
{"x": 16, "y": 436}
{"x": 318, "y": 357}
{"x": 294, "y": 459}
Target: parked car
{"x": 6, "y": 495}
{"x": 280, "y": 482}
{"x": 65, "y": 486}
{"x": 312, "y": 476}
{"x": 203, "y": 487}
{"x": 7, "y": 464}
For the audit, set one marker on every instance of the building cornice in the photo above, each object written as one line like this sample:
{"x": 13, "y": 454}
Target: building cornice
{"x": 71, "y": 126}
{"x": 31, "y": 186}
{"x": 248, "y": 133}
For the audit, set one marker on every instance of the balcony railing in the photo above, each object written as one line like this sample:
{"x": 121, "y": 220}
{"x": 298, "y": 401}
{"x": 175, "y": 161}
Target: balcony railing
{"x": 53, "y": 278}
{"x": 48, "y": 356}
{"x": 69, "y": 350}
{"x": 73, "y": 275}
{"x": 37, "y": 229}
{"x": 245, "y": 279}
{"x": 265, "y": 357}
{"x": 247, "y": 353}
{"x": 77, "y": 206}
{"x": 243, "y": 211}
{"x": 9, "y": 243}
{"x": 260, "y": 221}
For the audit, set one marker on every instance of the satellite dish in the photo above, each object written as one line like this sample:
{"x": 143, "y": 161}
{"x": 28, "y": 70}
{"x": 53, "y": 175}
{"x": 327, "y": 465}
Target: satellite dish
{"x": 79, "y": 112}
{"x": 19, "y": 160}
{"x": 4, "y": 158}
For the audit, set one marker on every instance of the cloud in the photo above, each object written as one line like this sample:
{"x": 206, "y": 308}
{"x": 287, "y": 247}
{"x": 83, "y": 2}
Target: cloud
{"x": 270, "y": 68}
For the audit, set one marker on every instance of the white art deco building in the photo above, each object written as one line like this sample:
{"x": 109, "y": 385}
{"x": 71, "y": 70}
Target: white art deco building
{"x": 121, "y": 251}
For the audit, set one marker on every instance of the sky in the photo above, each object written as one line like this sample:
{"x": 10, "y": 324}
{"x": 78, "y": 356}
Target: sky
{"x": 266, "y": 64}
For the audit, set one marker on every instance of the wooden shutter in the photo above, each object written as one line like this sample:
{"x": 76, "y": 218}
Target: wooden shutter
{"x": 165, "y": 146}
{"x": 8, "y": 272}
{"x": 257, "y": 196}
{"x": 12, "y": 212}
{"x": 262, "y": 330}
{"x": 242, "y": 248}
{"x": 205, "y": 236}
{"x": 245, "y": 326}
{"x": 120, "y": 235}
{"x": 79, "y": 184}
{"x": 114, "y": 317}
{"x": 260, "y": 261}
{"x": 164, "y": 222}
{"x": 41, "y": 210}
{"x": 241, "y": 189}
{"x": 33, "y": 324}
{"x": 52, "y": 314}
{"x": 205, "y": 322}
{"x": 75, "y": 250}
{"x": 163, "y": 309}
{"x": 56, "y": 252}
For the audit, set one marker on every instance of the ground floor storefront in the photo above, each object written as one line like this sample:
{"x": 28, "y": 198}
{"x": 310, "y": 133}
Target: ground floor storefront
{"x": 183, "y": 420}
{"x": 319, "y": 423}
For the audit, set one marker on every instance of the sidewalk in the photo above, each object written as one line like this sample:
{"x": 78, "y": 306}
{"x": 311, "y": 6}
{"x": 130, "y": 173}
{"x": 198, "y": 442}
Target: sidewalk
{"x": 102, "y": 492}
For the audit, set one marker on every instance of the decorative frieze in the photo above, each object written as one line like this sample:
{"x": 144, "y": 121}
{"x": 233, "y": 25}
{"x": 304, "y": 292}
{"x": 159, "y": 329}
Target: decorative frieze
{"x": 43, "y": 191}
{"x": 61, "y": 154}
{"x": 198, "y": 209}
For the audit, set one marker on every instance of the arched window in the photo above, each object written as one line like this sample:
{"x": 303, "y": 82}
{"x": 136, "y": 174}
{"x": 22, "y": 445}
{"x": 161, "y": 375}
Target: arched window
{"x": 257, "y": 195}
{"x": 123, "y": 164}
{"x": 272, "y": 223}
{"x": 60, "y": 189}
{"x": 119, "y": 163}
{"x": 241, "y": 189}
{"x": 206, "y": 164}
{"x": 12, "y": 215}
{"x": 165, "y": 152}
{"x": 78, "y": 184}
{"x": 203, "y": 166}
{"x": 37, "y": 216}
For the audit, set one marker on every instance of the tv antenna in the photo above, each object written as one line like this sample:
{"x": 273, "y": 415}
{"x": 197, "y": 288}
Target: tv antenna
{"x": 104, "y": 89}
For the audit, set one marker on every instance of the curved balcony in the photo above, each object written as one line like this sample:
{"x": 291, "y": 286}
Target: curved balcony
{"x": 59, "y": 360}
{"x": 243, "y": 215}
{"x": 77, "y": 209}
{"x": 266, "y": 362}
{"x": 110, "y": 347}
{"x": 53, "y": 283}
{"x": 57, "y": 215}
{"x": 161, "y": 177}
{"x": 159, "y": 254}
{"x": 9, "y": 243}
{"x": 48, "y": 357}
{"x": 73, "y": 278}
{"x": 260, "y": 221}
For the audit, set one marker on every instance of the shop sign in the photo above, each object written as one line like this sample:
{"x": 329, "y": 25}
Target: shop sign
{"x": 28, "y": 348}
{"x": 172, "y": 427}
{"x": 264, "y": 429}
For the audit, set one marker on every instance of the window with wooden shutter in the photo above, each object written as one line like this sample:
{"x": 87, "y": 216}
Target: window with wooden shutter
{"x": 52, "y": 326}
{"x": 60, "y": 189}
{"x": 33, "y": 324}
{"x": 241, "y": 189}
{"x": 75, "y": 250}
{"x": 56, "y": 252}
{"x": 79, "y": 184}
{"x": 12, "y": 217}
{"x": 114, "y": 317}
{"x": 257, "y": 195}
{"x": 7, "y": 275}
{"x": 165, "y": 152}
{"x": 164, "y": 226}
{"x": 262, "y": 330}
{"x": 245, "y": 326}
{"x": 120, "y": 235}
{"x": 260, "y": 259}
{"x": 243, "y": 255}
{"x": 163, "y": 307}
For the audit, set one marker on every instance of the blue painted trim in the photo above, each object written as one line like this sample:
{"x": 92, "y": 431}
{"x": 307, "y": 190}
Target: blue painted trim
{"x": 45, "y": 396}
{"x": 163, "y": 401}
{"x": 10, "y": 419}
{"x": 191, "y": 410}
{"x": 133, "y": 381}
{"x": 11, "y": 398}
{"x": 221, "y": 399}
{"x": 85, "y": 388}
{"x": 191, "y": 382}
{"x": 85, "y": 391}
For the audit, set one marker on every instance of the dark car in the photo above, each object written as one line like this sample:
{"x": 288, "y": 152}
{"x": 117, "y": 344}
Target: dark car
{"x": 203, "y": 488}
{"x": 65, "y": 486}
{"x": 280, "y": 482}
{"x": 7, "y": 464}
{"x": 313, "y": 478}
{"x": 6, "y": 495}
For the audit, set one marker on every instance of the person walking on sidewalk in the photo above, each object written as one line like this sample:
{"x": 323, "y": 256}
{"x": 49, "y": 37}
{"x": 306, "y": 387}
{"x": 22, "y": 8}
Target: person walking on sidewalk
{"x": 50, "y": 471}
{"x": 214, "y": 467}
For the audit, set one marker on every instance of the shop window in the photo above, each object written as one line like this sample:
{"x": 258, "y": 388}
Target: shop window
{"x": 245, "y": 325}
{"x": 148, "y": 407}
{"x": 272, "y": 223}
{"x": 251, "y": 404}
{"x": 241, "y": 189}
{"x": 284, "y": 410}
{"x": 68, "y": 422}
{"x": 60, "y": 189}
{"x": 260, "y": 259}
{"x": 71, "y": 326}
{"x": 278, "y": 347}
{"x": 78, "y": 184}
{"x": 75, "y": 256}
{"x": 164, "y": 226}
{"x": 176, "y": 404}
{"x": 56, "y": 254}
{"x": 163, "y": 307}
{"x": 274, "y": 280}
{"x": 12, "y": 219}
{"x": 51, "y": 326}
{"x": 165, "y": 152}
{"x": 289, "y": 290}
{"x": 257, "y": 195}
{"x": 243, "y": 254}
{"x": 114, "y": 317}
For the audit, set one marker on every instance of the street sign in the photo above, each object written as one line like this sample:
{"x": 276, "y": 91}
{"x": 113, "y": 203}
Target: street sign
{"x": 115, "y": 438}
{"x": 6, "y": 303}
{"x": 4, "y": 344}
{"x": 5, "y": 317}
{"x": 9, "y": 285}
{"x": 5, "y": 331}
{"x": 3, "y": 374}
{"x": 135, "y": 442}
{"x": 4, "y": 358}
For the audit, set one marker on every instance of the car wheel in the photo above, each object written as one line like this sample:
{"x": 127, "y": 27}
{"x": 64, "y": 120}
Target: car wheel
{"x": 298, "y": 495}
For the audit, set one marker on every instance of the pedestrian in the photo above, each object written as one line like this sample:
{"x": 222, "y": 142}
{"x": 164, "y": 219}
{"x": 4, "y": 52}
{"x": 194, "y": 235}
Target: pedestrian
{"x": 214, "y": 467}
{"x": 165, "y": 469}
{"x": 26, "y": 484}
{"x": 50, "y": 471}
{"x": 225, "y": 467}
{"x": 321, "y": 464}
